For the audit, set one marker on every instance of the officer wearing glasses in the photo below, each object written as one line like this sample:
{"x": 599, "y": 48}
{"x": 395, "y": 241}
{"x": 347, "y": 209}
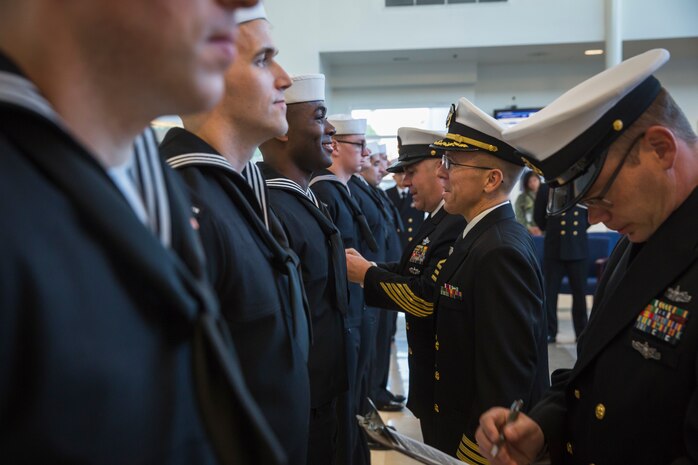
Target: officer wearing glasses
{"x": 621, "y": 146}
{"x": 489, "y": 301}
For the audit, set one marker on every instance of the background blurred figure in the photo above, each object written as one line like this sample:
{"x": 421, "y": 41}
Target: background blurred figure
{"x": 565, "y": 252}
{"x": 412, "y": 218}
{"x": 530, "y": 182}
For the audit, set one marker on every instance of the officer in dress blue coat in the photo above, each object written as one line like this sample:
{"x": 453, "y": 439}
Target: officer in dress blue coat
{"x": 408, "y": 285}
{"x": 411, "y": 217}
{"x": 624, "y": 148}
{"x": 565, "y": 252}
{"x": 489, "y": 303}
{"x": 288, "y": 163}
{"x": 255, "y": 276}
{"x": 331, "y": 187}
{"x": 112, "y": 349}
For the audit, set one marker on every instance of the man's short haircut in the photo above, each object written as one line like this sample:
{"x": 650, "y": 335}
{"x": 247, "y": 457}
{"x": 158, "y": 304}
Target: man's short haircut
{"x": 662, "y": 112}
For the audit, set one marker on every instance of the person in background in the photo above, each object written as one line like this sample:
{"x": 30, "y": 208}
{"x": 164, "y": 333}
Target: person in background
{"x": 565, "y": 252}
{"x": 412, "y": 218}
{"x": 530, "y": 182}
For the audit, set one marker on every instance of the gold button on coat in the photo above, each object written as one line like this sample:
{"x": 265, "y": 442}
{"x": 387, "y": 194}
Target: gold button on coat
{"x": 407, "y": 326}
{"x": 563, "y": 223}
{"x": 436, "y": 346}
{"x": 576, "y": 213}
{"x": 436, "y": 408}
{"x": 569, "y": 448}
{"x": 437, "y": 375}
{"x": 409, "y": 229}
{"x": 600, "y": 411}
{"x": 577, "y": 394}
{"x": 575, "y": 233}
{"x": 562, "y": 233}
{"x": 576, "y": 223}
{"x": 409, "y": 350}
{"x": 409, "y": 239}
{"x": 410, "y": 220}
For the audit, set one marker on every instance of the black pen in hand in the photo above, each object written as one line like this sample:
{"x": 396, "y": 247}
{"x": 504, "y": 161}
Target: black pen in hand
{"x": 513, "y": 415}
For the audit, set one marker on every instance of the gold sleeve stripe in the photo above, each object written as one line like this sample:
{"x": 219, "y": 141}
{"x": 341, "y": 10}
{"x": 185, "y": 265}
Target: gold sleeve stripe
{"x": 427, "y": 305}
{"x": 461, "y": 457}
{"x": 472, "y": 450}
{"x": 407, "y": 296}
{"x": 441, "y": 263}
{"x": 405, "y": 305}
{"x": 470, "y": 456}
{"x": 433, "y": 277}
{"x": 470, "y": 444}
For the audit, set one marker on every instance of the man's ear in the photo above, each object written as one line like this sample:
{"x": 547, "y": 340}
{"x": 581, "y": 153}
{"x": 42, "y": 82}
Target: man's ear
{"x": 663, "y": 143}
{"x": 495, "y": 178}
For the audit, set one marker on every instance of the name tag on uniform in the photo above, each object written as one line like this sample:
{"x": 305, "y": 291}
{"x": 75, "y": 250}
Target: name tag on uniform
{"x": 419, "y": 254}
{"x": 663, "y": 321}
{"x": 451, "y": 292}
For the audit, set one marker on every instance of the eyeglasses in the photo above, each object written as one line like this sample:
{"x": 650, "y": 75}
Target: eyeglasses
{"x": 361, "y": 144}
{"x": 600, "y": 200}
{"x": 447, "y": 163}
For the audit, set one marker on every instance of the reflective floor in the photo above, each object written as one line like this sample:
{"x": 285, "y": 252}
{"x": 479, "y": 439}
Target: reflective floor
{"x": 560, "y": 355}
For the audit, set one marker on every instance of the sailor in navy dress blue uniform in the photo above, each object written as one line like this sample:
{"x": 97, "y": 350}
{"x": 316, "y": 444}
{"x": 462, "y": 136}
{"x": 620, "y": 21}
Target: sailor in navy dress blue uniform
{"x": 255, "y": 276}
{"x": 288, "y": 164}
{"x": 374, "y": 327}
{"x": 632, "y": 395}
{"x": 112, "y": 349}
{"x": 565, "y": 252}
{"x": 330, "y": 187}
{"x": 490, "y": 314}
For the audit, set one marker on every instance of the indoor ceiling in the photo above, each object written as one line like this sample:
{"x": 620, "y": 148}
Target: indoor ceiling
{"x": 679, "y": 48}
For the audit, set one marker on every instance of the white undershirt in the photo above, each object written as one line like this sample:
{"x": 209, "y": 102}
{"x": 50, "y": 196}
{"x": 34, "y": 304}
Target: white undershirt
{"x": 480, "y": 216}
{"x": 438, "y": 207}
{"x": 121, "y": 175}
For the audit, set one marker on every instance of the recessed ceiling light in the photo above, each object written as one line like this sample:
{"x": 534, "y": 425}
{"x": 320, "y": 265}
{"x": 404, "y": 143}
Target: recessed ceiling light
{"x": 595, "y": 51}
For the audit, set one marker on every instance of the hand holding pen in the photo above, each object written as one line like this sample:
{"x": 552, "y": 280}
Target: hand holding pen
{"x": 508, "y": 437}
{"x": 513, "y": 415}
